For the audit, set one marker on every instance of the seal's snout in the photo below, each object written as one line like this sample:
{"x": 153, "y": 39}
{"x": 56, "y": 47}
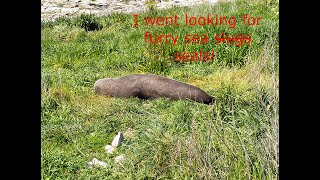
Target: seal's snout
{"x": 208, "y": 100}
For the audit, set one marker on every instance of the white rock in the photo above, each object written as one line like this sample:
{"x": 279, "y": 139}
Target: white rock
{"x": 109, "y": 149}
{"x": 119, "y": 158}
{"x": 96, "y": 162}
{"x": 213, "y": 1}
{"x": 117, "y": 140}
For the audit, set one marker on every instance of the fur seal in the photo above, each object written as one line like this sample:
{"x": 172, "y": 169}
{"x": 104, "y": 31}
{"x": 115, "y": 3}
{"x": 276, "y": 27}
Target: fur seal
{"x": 149, "y": 86}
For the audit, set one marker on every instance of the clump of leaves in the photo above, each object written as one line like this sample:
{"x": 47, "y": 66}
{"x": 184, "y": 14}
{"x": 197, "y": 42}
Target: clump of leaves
{"x": 151, "y": 5}
{"x": 88, "y": 22}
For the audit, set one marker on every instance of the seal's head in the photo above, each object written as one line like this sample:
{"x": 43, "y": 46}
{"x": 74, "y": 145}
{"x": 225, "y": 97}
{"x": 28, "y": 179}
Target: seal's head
{"x": 98, "y": 86}
{"x": 208, "y": 100}
{"x": 104, "y": 86}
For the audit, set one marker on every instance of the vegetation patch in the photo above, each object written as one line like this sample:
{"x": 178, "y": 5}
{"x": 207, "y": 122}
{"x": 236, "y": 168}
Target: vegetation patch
{"x": 234, "y": 138}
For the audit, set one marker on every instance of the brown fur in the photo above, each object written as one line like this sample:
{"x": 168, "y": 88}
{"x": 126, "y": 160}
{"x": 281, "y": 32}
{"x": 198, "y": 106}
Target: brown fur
{"x": 148, "y": 86}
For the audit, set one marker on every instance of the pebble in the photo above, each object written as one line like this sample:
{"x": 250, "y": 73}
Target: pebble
{"x": 96, "y": 162}
{"x": 109, "y": 149}
{"x": 119, "y": 158}
{"x": 117, "y": 140}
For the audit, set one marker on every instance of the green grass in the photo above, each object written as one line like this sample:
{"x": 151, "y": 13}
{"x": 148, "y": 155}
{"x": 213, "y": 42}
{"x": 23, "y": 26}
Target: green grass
{"x": 235, "y": 138}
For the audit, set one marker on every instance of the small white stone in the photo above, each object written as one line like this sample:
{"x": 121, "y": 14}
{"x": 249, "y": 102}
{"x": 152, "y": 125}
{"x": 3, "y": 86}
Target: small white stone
{"x": 213, "y": 1}
{"x": 96, "y": 162}
{"x": 117, "y": 140}
{"x": 119, "y": 158}
{"x": 109, "y": 149}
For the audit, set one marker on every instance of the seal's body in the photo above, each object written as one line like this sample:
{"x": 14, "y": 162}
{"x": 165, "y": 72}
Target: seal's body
{"x": 148, "y": 86}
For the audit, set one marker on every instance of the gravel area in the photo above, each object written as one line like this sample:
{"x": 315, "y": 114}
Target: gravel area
{"x": 52, "y": 9}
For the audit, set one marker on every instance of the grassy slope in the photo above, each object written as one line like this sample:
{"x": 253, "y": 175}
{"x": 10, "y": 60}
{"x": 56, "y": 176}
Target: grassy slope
{"x": 236, "y": 138}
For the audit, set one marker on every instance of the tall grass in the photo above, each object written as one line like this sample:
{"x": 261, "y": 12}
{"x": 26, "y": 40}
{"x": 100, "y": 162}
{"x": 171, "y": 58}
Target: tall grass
{"x": 235, "y": 138}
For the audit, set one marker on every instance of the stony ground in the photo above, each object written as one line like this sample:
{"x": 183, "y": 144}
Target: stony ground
{"x": 52, "y": 9}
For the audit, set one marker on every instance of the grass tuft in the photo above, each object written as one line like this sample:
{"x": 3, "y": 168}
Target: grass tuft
{"x": 235, "y": 138}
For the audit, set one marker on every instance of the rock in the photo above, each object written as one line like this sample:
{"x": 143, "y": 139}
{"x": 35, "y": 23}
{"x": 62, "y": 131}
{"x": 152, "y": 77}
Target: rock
{"x": 109, "y": 149}
{"x": 117, "y": 140}
{"x": 115, "y": 143}
{"x": 96, "y": 162}
{"x": 119, "y": 158}
{"x": 213, "y": 1}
